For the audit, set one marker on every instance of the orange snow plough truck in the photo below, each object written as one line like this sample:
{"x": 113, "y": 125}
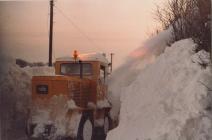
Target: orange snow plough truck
{"x": 71, "y": 104}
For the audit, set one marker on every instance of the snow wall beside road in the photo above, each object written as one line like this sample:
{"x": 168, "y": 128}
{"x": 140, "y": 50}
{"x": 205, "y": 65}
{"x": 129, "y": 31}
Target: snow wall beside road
{"x": 164, "y": 97}
{"x": 137, "y": 60}
{"x": 15, "y": 91}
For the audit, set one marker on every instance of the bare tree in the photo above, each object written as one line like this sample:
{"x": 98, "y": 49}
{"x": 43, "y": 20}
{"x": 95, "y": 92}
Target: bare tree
{"x": 187, "y": 18}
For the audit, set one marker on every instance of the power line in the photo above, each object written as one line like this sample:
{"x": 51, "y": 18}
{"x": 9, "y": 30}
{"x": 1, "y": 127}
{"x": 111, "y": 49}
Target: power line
{"x": 77, "y": 27}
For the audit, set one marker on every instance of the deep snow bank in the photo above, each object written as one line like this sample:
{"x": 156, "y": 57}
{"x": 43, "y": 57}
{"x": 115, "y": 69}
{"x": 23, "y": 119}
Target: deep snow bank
{"x": 168, "y": 99}
{"x": 15, "y": 91}
{"x": 137, "y": 60}
{"x": 14, "y": 99}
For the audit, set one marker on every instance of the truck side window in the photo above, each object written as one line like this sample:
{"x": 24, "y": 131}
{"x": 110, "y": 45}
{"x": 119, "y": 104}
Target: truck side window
{"x": 102, "y": 73}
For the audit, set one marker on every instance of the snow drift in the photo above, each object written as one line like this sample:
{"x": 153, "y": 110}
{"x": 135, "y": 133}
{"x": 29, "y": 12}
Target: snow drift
{"x": 15, "y": 90}
{"x": 137, "y": 60}
{"x": 167, "y": 98}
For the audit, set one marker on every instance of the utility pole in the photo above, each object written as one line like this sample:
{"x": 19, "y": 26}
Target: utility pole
{"x": 111, "y": 62}
{"x": 51, "y": 32}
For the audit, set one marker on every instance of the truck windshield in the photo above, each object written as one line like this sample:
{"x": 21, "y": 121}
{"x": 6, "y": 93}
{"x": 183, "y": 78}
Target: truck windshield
{"x": 74, "y": 69}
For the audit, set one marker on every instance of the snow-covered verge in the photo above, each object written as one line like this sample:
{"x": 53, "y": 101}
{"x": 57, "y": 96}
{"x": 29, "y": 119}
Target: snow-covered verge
{"x": 15, "y": 91}
{"x": 169, "y": 98}
{"x": 39, "y": 71}
{"x": 14, "y": 99}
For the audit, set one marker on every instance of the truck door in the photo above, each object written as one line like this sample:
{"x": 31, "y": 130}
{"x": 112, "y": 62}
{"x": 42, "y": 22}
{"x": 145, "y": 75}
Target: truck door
{"x": 102, "y": 82}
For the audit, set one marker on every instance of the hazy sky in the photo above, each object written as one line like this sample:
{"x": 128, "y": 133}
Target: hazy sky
{"x": 117, "y": 26}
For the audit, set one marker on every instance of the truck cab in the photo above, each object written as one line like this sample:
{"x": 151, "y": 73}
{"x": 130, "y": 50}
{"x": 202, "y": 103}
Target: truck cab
{"x": 73, "y": 102}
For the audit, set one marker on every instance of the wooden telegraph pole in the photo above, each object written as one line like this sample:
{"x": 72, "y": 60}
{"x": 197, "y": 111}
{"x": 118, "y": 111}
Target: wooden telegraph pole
{"x": 51, "y": 32}
{"x": 111, "y": 63}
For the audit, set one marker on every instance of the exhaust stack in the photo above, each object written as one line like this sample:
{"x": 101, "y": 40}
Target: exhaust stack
{"x": 81, "y": 69}
{"x": 111, "y": 62}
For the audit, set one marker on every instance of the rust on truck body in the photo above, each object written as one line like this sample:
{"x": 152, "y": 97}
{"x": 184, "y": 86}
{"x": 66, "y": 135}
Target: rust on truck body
{"x": 81, "y": 91}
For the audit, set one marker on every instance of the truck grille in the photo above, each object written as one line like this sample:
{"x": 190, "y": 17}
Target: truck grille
{"x": 79, "y": 92}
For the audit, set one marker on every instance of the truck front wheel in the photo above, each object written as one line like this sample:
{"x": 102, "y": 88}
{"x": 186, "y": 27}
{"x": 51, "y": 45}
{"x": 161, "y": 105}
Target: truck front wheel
{"x": 85, "y": 130}
{"x": 107, "y": 124}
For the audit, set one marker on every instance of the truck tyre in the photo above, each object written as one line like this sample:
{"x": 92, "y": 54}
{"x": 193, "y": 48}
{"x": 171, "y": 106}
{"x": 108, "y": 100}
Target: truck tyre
{"x": 107, "y": 124}
{"x": 85, "y": 130}
{"x": 28, "y": 128}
